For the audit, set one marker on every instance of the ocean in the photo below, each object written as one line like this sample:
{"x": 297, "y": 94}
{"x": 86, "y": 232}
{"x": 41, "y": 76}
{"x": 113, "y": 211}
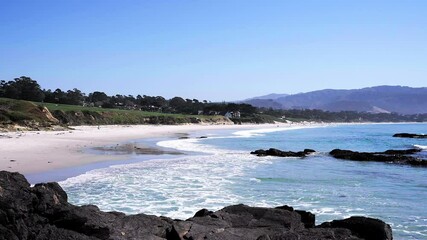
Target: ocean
{"x": 218, "y": 171}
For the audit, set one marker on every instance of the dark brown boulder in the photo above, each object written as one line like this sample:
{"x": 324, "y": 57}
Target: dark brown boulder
{"x": 410, "y": 135}
{"x": 389, "y": 156}
{"x": 363, "y": 227}
{"x": 202, "y": 213}
{"x": 279, "y": 153}
{"x": 307, "y": 218}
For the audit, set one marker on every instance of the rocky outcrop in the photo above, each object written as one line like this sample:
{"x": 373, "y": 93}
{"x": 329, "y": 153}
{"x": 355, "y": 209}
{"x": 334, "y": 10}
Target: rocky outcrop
{"x": 42, "y": 212}
{"x": 280, "y": 153}
{"x": 366, "y": 228}
{"x": 389, "y": 156}
{"x": 410, "y": 135}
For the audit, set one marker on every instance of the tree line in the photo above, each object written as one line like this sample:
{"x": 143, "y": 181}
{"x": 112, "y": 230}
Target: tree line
{"x": 25, "y": 88}
{"x": 343, "y": 116}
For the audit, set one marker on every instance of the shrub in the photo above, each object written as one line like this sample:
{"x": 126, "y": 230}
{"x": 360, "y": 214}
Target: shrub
{"x": 18, "y": 116}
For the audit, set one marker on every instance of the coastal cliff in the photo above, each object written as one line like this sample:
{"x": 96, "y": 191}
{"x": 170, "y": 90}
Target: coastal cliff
{"x": 43, "y": 212}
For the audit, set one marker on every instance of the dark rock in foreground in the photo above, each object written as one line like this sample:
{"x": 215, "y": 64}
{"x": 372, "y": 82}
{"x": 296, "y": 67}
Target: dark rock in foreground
{"x": 362, "y": 227}
{"x": 410, "y": 135}
{"x": 279, "y": 153}
{"x": 42, "y": 212}
{"x": 389, "y": 156}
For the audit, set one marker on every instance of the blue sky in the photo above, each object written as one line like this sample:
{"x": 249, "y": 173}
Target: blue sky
{"x": 214, "y": 50}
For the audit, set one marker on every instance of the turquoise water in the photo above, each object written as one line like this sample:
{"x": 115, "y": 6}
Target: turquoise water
{"x": 227, "y": 174}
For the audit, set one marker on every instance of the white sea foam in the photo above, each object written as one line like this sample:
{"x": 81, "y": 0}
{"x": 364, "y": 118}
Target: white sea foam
{"x": 327, "y": 211}
{"x": 172, "y": 187}
{"x": 261, "y": 132}
{"x": 175, "y": 188}
{"x": 179, "y": 187}
{"x": 255, "y": 180}
{"x": 195, "y": 145}
{"x": 420, "y": 147}
{"x": 192, "y": 145}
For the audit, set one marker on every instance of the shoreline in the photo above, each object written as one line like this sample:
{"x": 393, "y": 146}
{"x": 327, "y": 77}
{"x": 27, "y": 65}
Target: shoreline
{"x": 149, "y": 170}
{"x": 36, "y": 152}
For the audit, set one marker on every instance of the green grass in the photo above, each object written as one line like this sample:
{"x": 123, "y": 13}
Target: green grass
{"x": 12, "y": 110}
{"x": 18, "y": 110}
{"x": 121, "y": 116}
{"x": 75, "y": 108}
{"x": 15, "y": 105}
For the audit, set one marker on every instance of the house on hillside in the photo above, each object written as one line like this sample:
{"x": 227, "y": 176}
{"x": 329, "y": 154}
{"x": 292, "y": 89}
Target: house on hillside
{"x": 235, "y": 114}
{"x": 213, "y": 113}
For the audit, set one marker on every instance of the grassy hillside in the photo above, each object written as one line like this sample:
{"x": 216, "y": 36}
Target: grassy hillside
{"x": 18, "y": 110}
{"x": 31, "y": 115}
{"x": 120, "y": 116}
{"x": 24, "y": 115}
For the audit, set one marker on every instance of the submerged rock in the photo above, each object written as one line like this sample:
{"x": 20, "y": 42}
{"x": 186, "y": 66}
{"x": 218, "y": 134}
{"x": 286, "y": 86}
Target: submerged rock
{"x": 389, "y": 156}
{"x": 410, "y": 135}
{"x": 279, "y": 153}
{"x": 42, "y": 212}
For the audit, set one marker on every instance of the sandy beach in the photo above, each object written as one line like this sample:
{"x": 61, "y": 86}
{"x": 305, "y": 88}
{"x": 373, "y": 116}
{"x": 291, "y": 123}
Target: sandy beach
{"x": 40, "y": 151}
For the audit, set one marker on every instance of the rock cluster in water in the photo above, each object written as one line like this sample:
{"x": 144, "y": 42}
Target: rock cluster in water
{"x": 280, "y": 153}
{"x": 410, "y": 135}
{"x": 42, "y": 212}
{"x": 389, "y": 156}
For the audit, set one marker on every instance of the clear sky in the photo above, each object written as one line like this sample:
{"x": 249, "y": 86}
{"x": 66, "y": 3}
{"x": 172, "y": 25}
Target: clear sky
{"x": 214, "y": 50}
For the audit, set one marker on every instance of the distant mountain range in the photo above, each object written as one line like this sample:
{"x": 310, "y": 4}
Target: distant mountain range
{"x": 380, "y": 99}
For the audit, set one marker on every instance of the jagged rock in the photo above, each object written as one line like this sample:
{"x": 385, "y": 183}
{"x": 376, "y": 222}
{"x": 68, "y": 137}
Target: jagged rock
{"x": 243, "y": 222}
{"x": 363, "y": 227}
{"x": 307, "y": 218}
{"x": 42, "y": 212}
{"x": 400, "y": 152}
{"x": 202, "y": 213}
{"x": 279, "y": 153}
{"x": 389, "y": 156}
{"x": 410, "y": 135}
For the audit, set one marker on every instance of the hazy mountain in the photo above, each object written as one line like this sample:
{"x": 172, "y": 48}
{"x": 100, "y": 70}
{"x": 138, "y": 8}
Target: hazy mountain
{"x": 404, "y": 100}
{"x": 269, "y": 96}
{"x": 268, "y": 103}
